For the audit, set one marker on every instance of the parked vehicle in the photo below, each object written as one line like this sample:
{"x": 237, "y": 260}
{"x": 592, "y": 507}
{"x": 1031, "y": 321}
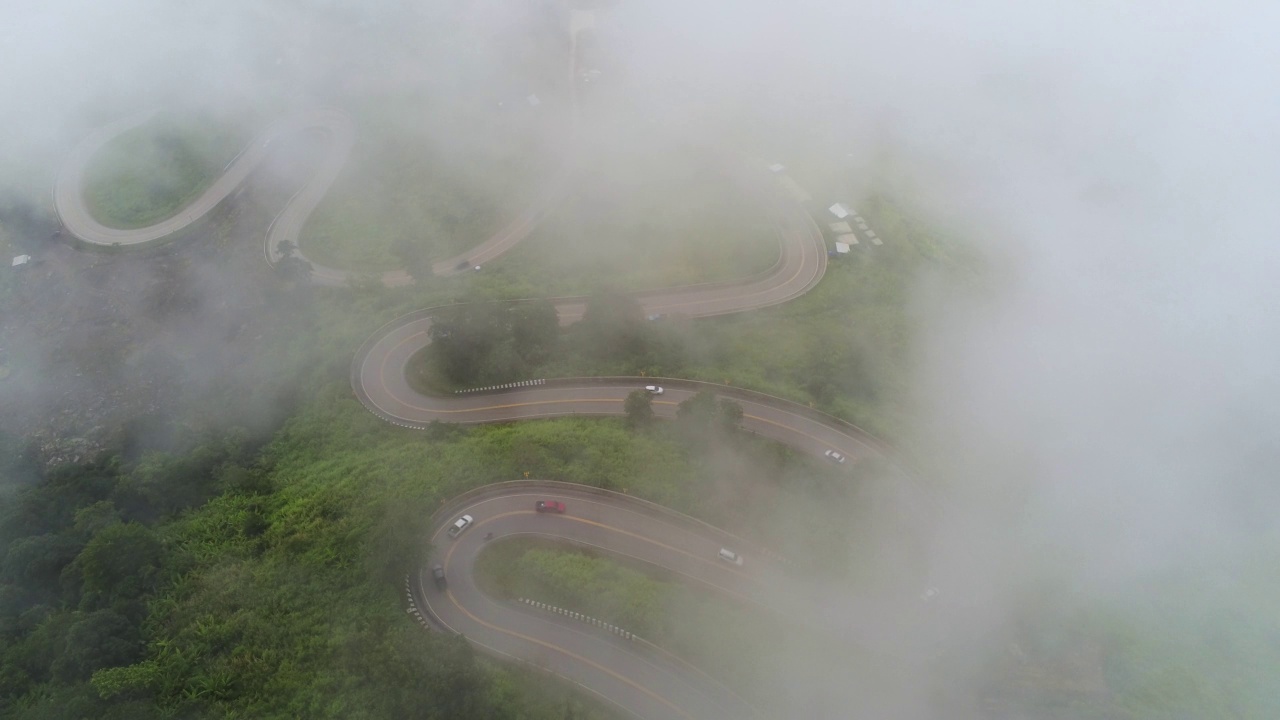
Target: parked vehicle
{"x": 459, "y": 525}
{"x": 551, "y": 506}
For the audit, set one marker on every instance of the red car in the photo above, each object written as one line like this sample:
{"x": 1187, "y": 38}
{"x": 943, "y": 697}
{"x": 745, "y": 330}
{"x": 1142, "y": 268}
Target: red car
{"x": 554, "y": 506}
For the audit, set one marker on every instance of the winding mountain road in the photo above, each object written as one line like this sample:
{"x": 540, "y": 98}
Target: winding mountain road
{"x": 610, "y": 662}
{"x": 642, "y": 679}
{"x": 633, "y": 675}
{"x": 73, "y": 210}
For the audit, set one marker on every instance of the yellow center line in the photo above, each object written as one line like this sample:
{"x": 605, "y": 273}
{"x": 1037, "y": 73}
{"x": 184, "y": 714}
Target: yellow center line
{"x": 665, "y": 546}
{"x": 628, "y": 533}
{"x": 534, "y": 403}
{"x": 552, "y": 646}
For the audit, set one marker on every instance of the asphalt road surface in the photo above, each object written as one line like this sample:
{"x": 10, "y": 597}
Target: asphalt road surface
{"x": 627, "y": 672}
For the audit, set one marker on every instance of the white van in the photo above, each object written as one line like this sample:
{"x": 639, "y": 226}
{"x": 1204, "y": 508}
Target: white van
{"x": 730, "y": 556}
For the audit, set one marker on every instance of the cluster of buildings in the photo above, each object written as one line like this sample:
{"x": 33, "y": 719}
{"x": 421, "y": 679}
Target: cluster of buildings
{"x": 845, "y": 234}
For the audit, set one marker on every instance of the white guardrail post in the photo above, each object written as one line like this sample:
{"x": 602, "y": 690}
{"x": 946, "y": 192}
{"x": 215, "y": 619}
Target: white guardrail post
{"x": 613, "y": 629}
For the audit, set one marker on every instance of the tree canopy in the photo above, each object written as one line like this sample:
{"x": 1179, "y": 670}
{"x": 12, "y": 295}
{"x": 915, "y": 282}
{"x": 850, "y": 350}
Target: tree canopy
{"x": 488, "y": 343}
{"x": 639, "y": 408}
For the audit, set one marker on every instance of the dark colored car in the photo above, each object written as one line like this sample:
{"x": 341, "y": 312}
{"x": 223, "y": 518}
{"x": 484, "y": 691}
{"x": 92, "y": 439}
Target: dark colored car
{"x": 437, "y": 575}
{"x": 554, "y": 506}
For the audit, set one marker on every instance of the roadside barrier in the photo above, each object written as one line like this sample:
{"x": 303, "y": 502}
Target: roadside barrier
{"x": 507, "y": 386}
{"x": 413, "y": 604}
{"x": 614, "y": 629}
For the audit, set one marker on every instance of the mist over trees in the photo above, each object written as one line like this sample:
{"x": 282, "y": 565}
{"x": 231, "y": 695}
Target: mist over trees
{"x": 486, "y": 343}
{"x": 1068, "y": 329}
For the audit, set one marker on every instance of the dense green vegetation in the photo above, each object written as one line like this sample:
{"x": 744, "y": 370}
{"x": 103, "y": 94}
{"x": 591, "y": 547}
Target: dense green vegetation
{"x": 222, "y": 582}
{"x": 484, "y": 343}
{"x": 152, "y": 171}
{"x": 231, "y": 580}
{"x": 475, "y": 342}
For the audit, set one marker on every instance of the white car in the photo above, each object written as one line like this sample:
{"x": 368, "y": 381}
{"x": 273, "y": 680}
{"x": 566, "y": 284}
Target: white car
{"x": 730, "y": 556}
{"x": 929, "y": 594}
{"x": 835, "y": 456}
{"x": 653, "y": 389}
{"x": 459, "y": 525}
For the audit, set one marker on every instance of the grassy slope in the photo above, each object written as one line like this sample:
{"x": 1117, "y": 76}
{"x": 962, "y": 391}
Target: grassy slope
{"x": 152, "y": 171}
{"x": 407, "y": 183}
